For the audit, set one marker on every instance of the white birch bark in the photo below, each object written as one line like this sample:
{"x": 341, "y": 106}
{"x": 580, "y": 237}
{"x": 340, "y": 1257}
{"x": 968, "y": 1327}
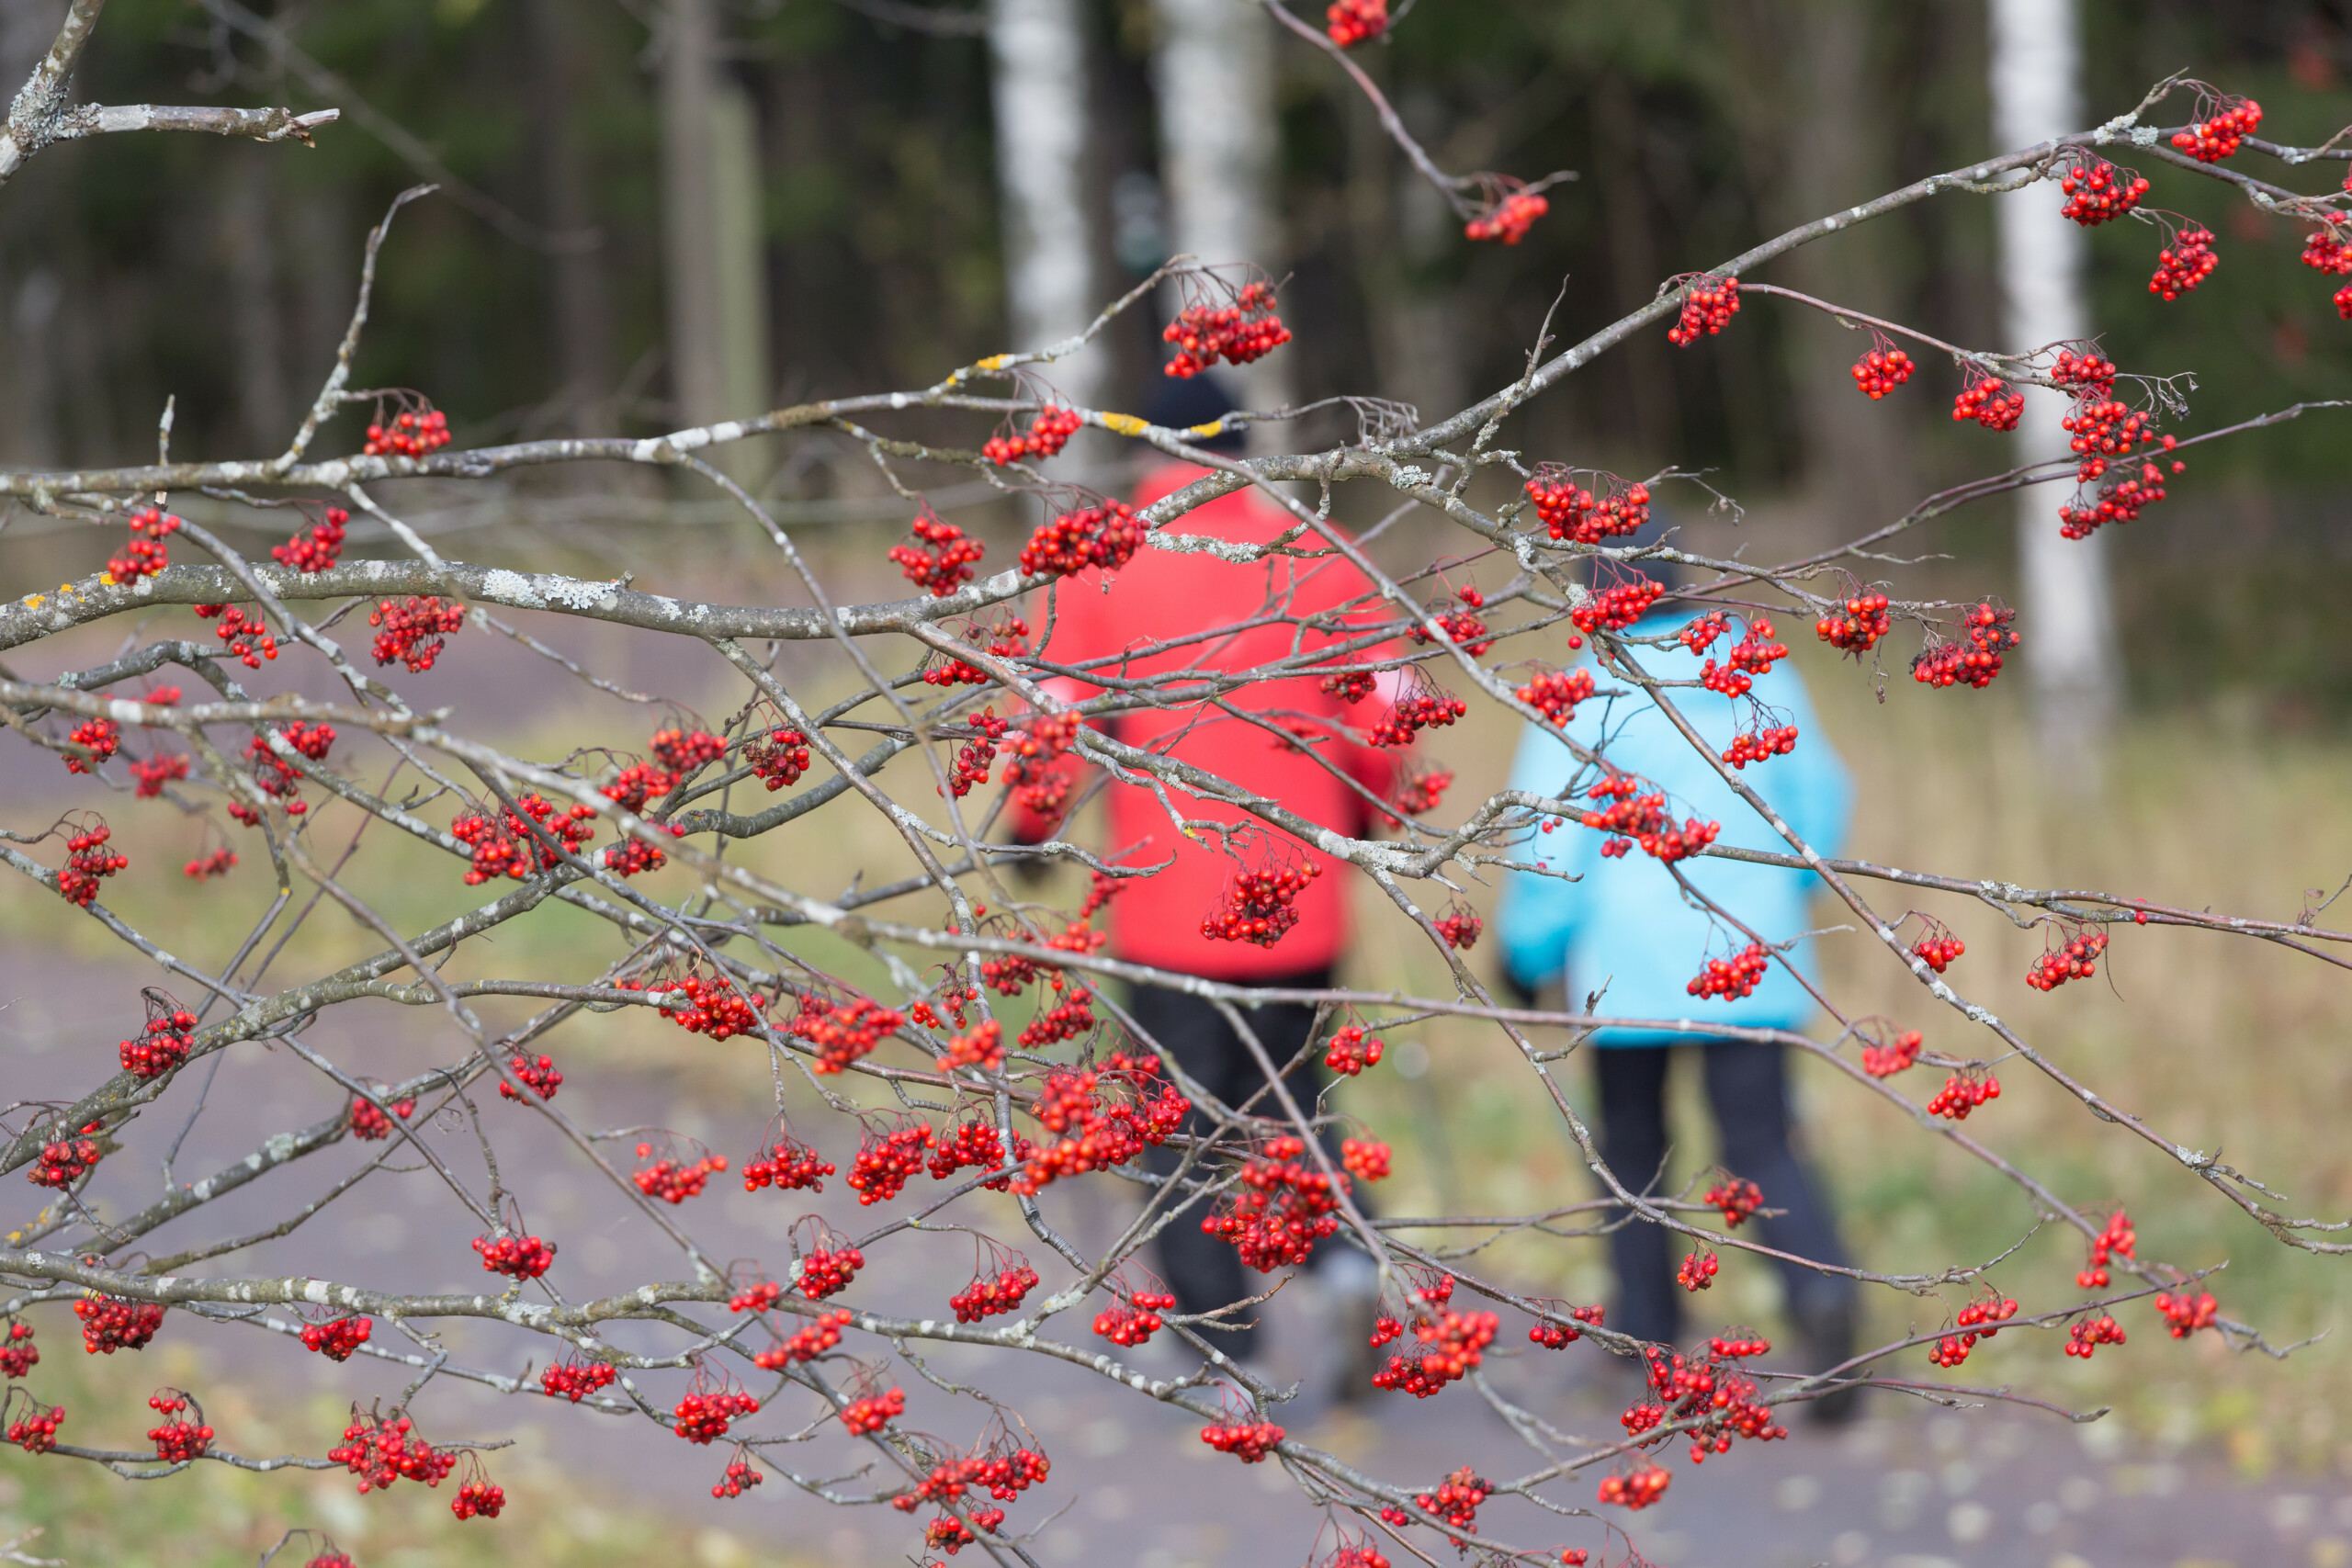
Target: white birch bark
{"x": 1220, "y": 142}
{"x": 1037, "y": 56}
{"x": 2067, "y": 609}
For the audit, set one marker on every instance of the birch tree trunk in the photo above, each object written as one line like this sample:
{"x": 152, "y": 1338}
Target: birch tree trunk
{"x": 1038, "y": 57}
{"x": 2069, "y": 649}
{"x": 1220, "y": 142}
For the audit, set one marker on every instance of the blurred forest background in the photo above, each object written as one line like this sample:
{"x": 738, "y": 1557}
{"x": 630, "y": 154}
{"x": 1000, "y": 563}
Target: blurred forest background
{"x": 529, "y": 298}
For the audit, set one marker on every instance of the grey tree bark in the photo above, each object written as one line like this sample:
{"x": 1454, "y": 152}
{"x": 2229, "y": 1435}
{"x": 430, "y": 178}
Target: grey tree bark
{"x": 713, "y": 241}
{"x": 1038, "y": 59}
{"x": 1213, "y": 75}
{"x": 2070, "y": 647}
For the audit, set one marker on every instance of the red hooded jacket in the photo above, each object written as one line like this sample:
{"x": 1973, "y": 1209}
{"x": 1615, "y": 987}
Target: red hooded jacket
{"x": 1161, "y": 595}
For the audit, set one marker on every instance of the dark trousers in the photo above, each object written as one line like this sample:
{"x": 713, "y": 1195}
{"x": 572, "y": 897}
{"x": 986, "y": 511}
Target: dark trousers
{"x": 1203, "y": 1272}
{"x": 1748, "y": 1087}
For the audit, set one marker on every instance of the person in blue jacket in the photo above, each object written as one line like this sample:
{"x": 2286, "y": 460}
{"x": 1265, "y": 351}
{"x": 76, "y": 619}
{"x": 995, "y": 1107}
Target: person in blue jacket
{"x": 1625, "y": 926}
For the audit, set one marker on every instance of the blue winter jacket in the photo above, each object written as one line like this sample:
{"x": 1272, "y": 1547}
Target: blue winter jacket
{"x": 1626, "y": 923}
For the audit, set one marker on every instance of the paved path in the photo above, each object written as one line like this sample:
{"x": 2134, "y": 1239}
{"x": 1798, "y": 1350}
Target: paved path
{"x": 1903, "y": 1488}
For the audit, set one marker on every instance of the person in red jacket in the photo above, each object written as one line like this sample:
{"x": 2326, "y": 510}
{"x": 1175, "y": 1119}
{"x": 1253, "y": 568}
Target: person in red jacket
{"x": 1299, "y": 750}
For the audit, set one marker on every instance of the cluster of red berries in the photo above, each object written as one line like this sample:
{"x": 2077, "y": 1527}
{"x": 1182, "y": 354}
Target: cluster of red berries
{"x": 1098, "y": 1135}
{"x": 1000, "y": 1293}
{"x": 1065, "y": 1019}
{"x": 412, "y": 631}
{"x": 486, "y": 1498}
{"x": 2184, "y": 1314}
{"x": 978, "y": 1147}
{"x": 36, "y": 1431}
{"x": 2186, "y": 262}
{"x": 1106, "y": 536}
{"x": 411, "y": 434}
{"x": 2079, "y": 960}
{"x": 1250, "y": 1441}
{"x": 1282, "y": 1207}
{"x": 1937, "y": 948}
{"x": 1248, "y": 329}
{"x": 805, "y": 1344}
{"x": 177, "y": 1441}
{"x": 1568, "y": 511}
{"x": 218, "y": 863}
{"x": 1453, "y": 1345}
{"x": 779, "y": 760}
{"x": 1882, "y": 370}
{"x": 64, "y": 1160}
{"x": 1349, "y": 685}
{"x": 827, "y": 1271}
{"x": 842, "y": 1030}
{"x": 1352, "y": 1049}
{"x": 2211, "y": 141}
{"x": 1977, "y": 1320}
{"x": 2089, "y": 372}
{"x": 739, "y": 1477}
{"x": 368, "y": 1120}
{"x": 1740, "y": 1343}
{"x": 703, "y": 1416}
{"x": 1857, "y": 626}
{"x": 153, "y": 773}
{"x": 887, "y": 1161}
{"x": 1260, "y": 906}
{"x": 331, "y": 1559}
{"x": 504, "y": 845}
{"x": 2118, "y": 1240}
{"x": 542, "y": 1077}
{"x": 1988, "y": 400}
{"x": 1366, "y": 1159}
{"x": 338, "y": 1338}
{"x": 380, "y": 1451}
{"x": 1047, "y": 435}
{"x": 1734, "y": 978}
{"x": 788, "y": 1165}
{"x": 1460, "y": 927}
{"x": 1466, "y": 630}
{"x": 1973, "y": 662}
{"x": 1355, "y": 1554}
{"x": 1697, "y": 1271}
{"x": 2328, "y": 251}
{"x": 517, "y": 1257}
{"x": 2091, "y": 1333}
{"x": 1031, "y": 755}
{"x": 1761, "y": 745}
{"x": 715, "y": 1006}
{"x": 2097, "y": 191}
{"x": 1639, "y": 1490}
{"x": 87, "y": 862}
{"x": 143, "y": 553}
{"x": 1736, "y": 1199}
{"x": 1707, "y": 306}
{"x": 247, "y": 637}
{"x": 1633, "y": 818}
{"x": 2118, "y": 500}
{"x": 1350, "y": 22}
{"x": 101, "y": 738}
{"x": 756, "y": 1297}
{"x": 1617, "y": 607}
{"x": 2100, "y": 426}
{"x": 1134, "y": 1320}
{"x": 982, "y": 1048}
{"x": 673, "y": 1180}
{"x": 1555, "y": 694}
{"x": 18, "y": 1354}
{"x": 1455, "y": 1501}
{"x": 317, "y": 549}
{"x": 1507, "y": 220}
{"x": 874, "y": 1412}
{"x": 1963, "y": 1093}
{"x": 1720, "y": 1399}
{"x": 941, "y": 560}
{"x": 1554, "y": 1336}
{"x": 1414, "y": 712}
